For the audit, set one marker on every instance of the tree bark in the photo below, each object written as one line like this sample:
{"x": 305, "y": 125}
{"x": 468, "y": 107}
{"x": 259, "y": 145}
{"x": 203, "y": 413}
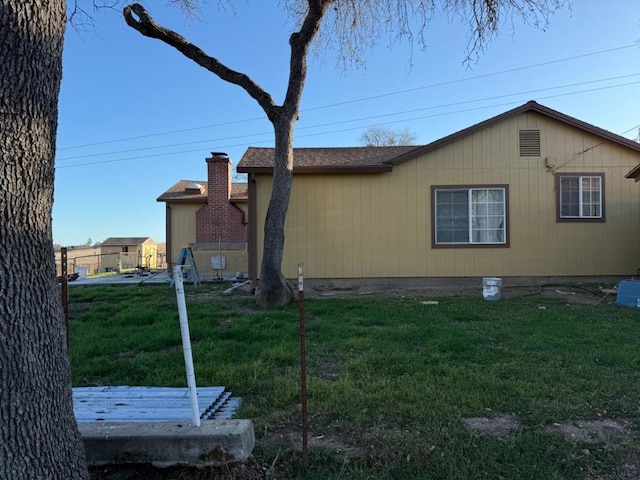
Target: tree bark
{"x": 273, "y": 289}
{"x": 39, "y": 437}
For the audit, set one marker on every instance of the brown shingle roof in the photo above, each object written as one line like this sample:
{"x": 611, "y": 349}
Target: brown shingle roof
{"x": 239, "y": 191}
{"x": 118, "y": 241}
{"x": 324, "y": 160}
{"x": 381, "y": 159}
{"x": 178, "y": 192}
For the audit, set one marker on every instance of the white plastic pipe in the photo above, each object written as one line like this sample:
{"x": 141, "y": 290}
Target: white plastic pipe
{"x": 186, "y": 344}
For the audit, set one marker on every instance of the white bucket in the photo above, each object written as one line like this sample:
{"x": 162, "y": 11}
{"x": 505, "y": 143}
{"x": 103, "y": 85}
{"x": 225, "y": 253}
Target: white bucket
{"x": 491, "y": 288}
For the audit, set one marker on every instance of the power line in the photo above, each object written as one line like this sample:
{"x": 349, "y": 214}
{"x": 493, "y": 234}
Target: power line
{"x": 353, "y": 128}
{"x": 374, "y": 97}
{"x": 433, "y": 107}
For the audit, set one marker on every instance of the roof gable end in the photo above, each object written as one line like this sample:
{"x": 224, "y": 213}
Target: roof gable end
{"x": 530, "y": 106}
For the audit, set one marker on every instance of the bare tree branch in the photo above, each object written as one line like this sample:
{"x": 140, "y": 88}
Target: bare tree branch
{"x": 382, "y": 135}
{"x": 485, "y": 17}
{"x": 300, "y": 42}
{"x": 80, "y": 19}
{"x": 352, "y": 26}
{"x": 149, "y": 28}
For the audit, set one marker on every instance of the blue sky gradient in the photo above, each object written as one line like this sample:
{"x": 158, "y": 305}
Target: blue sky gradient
{"x": 136, "y": 116}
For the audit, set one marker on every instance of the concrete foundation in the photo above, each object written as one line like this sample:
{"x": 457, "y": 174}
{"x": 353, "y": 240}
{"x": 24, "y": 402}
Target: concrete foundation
{"x": 163, "y": 444}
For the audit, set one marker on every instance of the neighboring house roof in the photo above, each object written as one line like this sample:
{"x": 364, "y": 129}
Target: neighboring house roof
{"x": 181, "y": 194}
{"x": 381, "y": 159}
{"x": 239, "y": 192}
{"x": 635, "y": 174}
{"x": 325, "y": 160}
{"x": 119, "y": 241}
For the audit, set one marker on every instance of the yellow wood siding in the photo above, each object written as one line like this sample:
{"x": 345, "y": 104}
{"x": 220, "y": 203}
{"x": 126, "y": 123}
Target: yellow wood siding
{"x": 183, "y": 226}
{"x": 145, "y": 254}
{"x": 379, "y": 225}
{"x": 149, "y": 250}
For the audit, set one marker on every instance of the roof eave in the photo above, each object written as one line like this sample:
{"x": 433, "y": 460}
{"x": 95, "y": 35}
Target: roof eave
{"x": 182, "y": 200}
{"x": 327, "y": 169}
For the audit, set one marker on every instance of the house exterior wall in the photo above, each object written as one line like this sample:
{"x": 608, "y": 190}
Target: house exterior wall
{"x": 110, "y": 257}
{"x": 183, "y": 220}
{"x": 114, "y": 258}
{"x": 183, "y": 228}
{"x": 149, "y": 254}
{"x": 220, "y": 220}
{"x": 235, "y": 258}
{"x": 380, "y": 225}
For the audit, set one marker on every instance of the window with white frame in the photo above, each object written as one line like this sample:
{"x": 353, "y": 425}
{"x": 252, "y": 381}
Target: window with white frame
{"x": 470, "y": 215}
{"x": 580, "y": 196}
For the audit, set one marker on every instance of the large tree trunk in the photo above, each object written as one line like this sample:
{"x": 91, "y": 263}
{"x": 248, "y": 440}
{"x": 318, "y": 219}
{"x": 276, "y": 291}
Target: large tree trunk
{"x": 38, "y": 434}
{"x": 273, "y": 289}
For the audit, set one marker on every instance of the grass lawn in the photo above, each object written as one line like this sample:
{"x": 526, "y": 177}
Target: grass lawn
{"x": 392, "y": 381}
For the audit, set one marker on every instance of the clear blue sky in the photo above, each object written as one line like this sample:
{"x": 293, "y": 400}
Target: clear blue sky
{"x": 136, "y": 116}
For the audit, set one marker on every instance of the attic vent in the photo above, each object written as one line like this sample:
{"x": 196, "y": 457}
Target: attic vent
{"x": 193, "y": 188}
{"x": 529, "y": 143}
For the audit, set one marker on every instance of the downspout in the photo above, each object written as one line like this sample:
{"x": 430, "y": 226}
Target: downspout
{"x": 252, "y": 231}
{"x": 168, "y": 237}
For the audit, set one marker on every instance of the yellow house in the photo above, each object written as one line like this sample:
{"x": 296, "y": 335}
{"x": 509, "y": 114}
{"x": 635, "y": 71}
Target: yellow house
{"x": 210, "y": 216}
{"x": 529, "y": 193}
{"x": 126, "y": 253}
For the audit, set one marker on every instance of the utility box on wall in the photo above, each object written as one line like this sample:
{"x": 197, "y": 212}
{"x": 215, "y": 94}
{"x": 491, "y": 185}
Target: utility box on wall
{"x": 218, "y": 262}
{"x": 629, "y": 293}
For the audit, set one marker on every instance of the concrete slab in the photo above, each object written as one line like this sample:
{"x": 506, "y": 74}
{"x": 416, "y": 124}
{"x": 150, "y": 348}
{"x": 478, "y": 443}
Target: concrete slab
{"x": 164, "y": 444}
{"x": 124, "y": 278}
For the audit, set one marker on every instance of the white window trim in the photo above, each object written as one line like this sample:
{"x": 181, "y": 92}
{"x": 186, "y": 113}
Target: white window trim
{"x": 580, "y": 215}
{"x": 469, "y": 189}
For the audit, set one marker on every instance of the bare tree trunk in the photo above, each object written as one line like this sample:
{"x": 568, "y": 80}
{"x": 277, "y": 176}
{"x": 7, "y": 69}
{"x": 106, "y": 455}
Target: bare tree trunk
{"x": 38, "y": 434}
{"x": 274, "y": 290}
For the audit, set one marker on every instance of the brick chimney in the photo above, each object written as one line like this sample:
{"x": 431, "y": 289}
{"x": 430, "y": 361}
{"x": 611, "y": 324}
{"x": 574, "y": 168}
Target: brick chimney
{"x": 219, "y": 220}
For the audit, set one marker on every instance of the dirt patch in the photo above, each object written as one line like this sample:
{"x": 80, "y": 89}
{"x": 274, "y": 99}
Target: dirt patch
{"x": 593, "y": 432}
{"x": 499, "y": 426}
{"x": 291, "y": 439}
{"x": 224, "y": 322}
{"x": 629, "y": 469}
{"x": 202, "y": 297}
{"x": 573, "y": 293}
{"x": 328, "y": 370}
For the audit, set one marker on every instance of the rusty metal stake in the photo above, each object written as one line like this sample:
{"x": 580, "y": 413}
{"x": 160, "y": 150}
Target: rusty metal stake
{"x": 65, "y": 288}
{"x": 303, "y": 369}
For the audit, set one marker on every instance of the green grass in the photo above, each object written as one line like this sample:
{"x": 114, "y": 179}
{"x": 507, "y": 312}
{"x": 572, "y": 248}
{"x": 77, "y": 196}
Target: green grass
{"x": 389, "y": 378}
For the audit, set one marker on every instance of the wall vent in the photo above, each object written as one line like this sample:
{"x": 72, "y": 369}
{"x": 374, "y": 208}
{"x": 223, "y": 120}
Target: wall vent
{"x": 529, "y": 143}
